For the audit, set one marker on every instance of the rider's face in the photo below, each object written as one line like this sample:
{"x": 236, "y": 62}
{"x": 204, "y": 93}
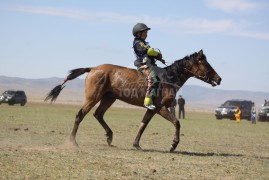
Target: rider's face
{"x": 144, "y": 35}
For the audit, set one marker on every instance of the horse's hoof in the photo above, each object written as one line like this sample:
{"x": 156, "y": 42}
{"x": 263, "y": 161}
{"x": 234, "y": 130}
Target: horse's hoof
{"x": 72, "y": 144}
{"x": 172, "y": 149}
{"x": 73, "y": 141}
{"x": 75, "y": 144}
{"x": 137, "y": 146}
{"x": 109, "y": 140}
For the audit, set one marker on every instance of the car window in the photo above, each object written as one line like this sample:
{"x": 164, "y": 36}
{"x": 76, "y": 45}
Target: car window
{"x": 248, "y": 105}
{"x": 9, "y": 92}
{"x": 22, "y": 93}
{"x": 232, "y": 103}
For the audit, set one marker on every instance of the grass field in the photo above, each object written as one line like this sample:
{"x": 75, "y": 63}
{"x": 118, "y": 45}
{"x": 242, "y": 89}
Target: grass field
{"x": 34, "y": 145}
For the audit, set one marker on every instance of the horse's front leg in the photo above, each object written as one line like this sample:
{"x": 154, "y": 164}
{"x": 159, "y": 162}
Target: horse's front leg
{"x": 164, "y": 112}
{"x": 147, "y": 117}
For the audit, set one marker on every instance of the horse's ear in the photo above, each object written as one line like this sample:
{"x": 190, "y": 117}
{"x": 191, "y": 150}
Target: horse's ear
{"x": 201, "y": 52}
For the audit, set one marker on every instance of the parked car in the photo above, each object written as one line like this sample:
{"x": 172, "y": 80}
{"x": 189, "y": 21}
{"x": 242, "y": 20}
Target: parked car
{"x": 12, "y": 97}
{"x": 263, "y": 113}
{"x": 227, "y": 110}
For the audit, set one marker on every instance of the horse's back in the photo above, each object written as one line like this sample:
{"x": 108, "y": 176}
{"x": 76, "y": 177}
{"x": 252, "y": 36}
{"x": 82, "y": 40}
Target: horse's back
{"x": 109, "y": 67}
{"x": 116, "y": 80}
{"x": 114, "y": 74}
{"x": 116, "y": 71}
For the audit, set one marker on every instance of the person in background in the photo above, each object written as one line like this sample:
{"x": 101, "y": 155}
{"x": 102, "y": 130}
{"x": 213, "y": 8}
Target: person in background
{"x": 181, "y": 109}
{"x": 173, "y": 106}
{"x": 253, "y": 113}
{"x": 237, "y": 115}
{"x": 265, "y": 101}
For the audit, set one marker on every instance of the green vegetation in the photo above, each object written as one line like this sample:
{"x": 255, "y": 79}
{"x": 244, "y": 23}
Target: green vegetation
{"x": 34, "y": 145}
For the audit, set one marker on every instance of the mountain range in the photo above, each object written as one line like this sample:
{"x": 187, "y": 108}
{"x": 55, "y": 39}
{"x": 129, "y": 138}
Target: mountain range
{"x": 197, "y": 97}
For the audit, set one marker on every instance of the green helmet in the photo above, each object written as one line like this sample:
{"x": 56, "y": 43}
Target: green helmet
{"x": 139, "y": 27}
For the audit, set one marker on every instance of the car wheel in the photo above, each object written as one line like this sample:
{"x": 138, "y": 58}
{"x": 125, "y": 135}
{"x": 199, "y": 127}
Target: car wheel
{"x": 219, "y": 117}
{"x": 23, "y": 103}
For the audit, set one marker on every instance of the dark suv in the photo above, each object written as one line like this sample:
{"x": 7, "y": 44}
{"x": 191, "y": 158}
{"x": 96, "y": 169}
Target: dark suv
{"x": 227, "y": 110}
{"x": 263, "y": 113}
{"x": 13, "y": 97}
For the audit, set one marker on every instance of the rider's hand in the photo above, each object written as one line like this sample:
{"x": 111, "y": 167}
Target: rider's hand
{"x": 159, "y": 56}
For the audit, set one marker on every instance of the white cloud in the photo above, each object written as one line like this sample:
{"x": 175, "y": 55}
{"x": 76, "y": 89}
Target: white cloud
{"x": 77, "y": 14}
{"x": 256, "y": 35}
{"x": 232, "y": 6}
{"x": 204, "y": 26}
{"x": 53, "y": 12}
{"x": 223, "y": 26}
{"x": 193, "y": 26}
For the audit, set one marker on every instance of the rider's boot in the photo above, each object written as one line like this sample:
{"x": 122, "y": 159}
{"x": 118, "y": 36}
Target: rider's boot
{"x": 148, "y": 103}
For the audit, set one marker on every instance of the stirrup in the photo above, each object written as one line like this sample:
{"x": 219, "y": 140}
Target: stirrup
{"x": 151, "y": 106}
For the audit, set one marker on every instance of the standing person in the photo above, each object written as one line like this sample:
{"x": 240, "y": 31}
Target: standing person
{"x": 181, "y": 109}
{"x": 173, "y": 107}
{"x": 238, "y": 115}
{"x": 146, "y": 57}
{"x": 253, "y": 113}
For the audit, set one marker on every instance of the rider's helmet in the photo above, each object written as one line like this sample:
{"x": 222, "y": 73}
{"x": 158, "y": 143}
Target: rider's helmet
{"x": 139, "y": 27}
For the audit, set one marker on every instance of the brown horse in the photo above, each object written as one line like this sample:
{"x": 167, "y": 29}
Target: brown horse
{"x": 106, "y": 83}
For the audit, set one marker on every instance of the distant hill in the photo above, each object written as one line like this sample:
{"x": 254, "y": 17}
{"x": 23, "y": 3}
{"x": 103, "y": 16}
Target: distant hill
{"x": 37, "y": 89}
{"x": 210, "y": 97}
{"x": 197, "y": 97}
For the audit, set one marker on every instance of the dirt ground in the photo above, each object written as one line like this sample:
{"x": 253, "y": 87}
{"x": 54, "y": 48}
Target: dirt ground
{"x": 34, "y": 145}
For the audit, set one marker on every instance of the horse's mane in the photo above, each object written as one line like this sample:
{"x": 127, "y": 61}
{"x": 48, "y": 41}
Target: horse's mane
{"x": 176, "y": 69}
{"x": 178, "y": 66}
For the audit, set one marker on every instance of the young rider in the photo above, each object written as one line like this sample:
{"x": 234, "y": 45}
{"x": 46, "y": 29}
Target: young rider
{"x": 145, "y": 61}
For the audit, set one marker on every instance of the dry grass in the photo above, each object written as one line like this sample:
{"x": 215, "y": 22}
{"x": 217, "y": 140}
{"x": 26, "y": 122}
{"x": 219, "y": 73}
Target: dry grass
{"x": 33, "y": 145}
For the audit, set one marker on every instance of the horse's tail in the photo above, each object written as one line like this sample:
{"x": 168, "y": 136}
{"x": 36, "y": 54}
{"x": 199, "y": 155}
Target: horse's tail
{"x": 54, "y": 93}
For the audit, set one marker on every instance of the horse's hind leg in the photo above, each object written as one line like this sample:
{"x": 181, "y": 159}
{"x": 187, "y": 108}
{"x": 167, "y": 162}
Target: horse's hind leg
{"x": 105, "y": 103}
{"x": 79, "y": 117}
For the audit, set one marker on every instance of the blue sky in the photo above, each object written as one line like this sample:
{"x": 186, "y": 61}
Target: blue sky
{"x": 42, "y": 39}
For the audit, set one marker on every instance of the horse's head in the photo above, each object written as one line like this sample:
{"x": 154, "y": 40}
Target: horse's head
{"x": 198, "y": 66}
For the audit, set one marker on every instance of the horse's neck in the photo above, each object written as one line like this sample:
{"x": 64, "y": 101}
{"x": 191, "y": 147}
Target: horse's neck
{"x": 180, "y": 81}
{"x": 179, "y": 75}
{"x": 183, "y": 78}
